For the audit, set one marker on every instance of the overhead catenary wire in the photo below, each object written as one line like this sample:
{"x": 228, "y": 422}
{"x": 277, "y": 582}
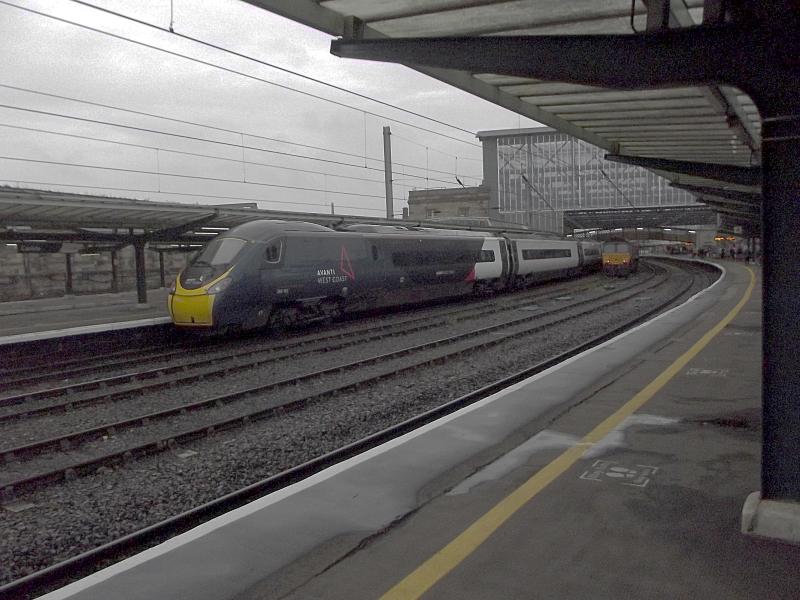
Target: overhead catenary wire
{"x": 211, "y": 156}
{"x": 201, "y": 139}
{"x": 176, "y": 120}
{"x": 188, "y": 194}
{"x": 193, "y": 177}
{"x": 271, "y": 65}
{"x": 227, "y": 69}
{"x": 183, "y": 121}
{"x": 432, "y": 148}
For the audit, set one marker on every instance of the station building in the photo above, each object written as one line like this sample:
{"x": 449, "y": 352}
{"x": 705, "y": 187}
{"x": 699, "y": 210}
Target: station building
{"x": 534, "y": 175}
{"x": 539, "y": 177}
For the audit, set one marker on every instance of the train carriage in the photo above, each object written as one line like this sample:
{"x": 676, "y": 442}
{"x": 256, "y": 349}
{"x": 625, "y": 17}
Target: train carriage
{"x": 280, "y": 273}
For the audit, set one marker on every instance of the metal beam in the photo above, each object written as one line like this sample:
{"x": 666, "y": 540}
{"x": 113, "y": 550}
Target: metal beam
{"x": 141, "y": 271}
{"x": 749, "y": 198}
{"x": 724, "y": 207}
{"x": 172, "y": 232}
{"x": 663, "y": 58}
{"x": 724, "y": 102}
{"x": 677, "y": 57}
{"x": 729, "y": 173}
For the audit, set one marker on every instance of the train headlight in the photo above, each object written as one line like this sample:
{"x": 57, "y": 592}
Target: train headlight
{"x": 220, "y": 286}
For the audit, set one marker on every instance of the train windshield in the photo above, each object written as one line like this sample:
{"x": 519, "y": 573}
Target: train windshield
{"x": 609, "y": 247}
{"x": 212, "y": 262}
{"x": 219, "y": 252}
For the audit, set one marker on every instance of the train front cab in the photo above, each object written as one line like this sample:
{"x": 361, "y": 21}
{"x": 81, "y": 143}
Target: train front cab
{"x": 194, "y": 299}
{"x": 619, "y": 258}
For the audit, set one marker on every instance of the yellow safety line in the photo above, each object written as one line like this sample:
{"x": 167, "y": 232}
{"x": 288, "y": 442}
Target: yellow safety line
{"x": 444, "y": 561}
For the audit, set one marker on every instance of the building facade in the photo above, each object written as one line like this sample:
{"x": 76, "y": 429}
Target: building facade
{"x": 534, "y": 174}
{"x": 451, "y": 203}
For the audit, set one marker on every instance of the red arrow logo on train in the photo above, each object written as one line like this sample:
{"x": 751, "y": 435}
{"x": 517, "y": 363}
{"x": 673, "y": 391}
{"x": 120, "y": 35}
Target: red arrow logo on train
{"x": 345, "y": 266}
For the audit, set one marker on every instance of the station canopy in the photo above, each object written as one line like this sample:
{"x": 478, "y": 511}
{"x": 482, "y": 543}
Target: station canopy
{"x": 650, "y": 217}
{"x": 30, "y": 215}
{"x": 705, "y": 139}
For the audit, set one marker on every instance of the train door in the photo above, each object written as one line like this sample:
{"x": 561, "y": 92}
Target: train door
{"x": 374, "y": 277}
{"x": 510, "y": 260}
{"x": 271, "y": 279}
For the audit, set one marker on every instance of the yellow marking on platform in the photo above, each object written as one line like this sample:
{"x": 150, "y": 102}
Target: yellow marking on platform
{"x": 449, "y": 557}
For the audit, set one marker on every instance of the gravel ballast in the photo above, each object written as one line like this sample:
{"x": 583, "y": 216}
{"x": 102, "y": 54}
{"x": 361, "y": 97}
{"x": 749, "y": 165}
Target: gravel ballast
{"x": 90, "y": 510}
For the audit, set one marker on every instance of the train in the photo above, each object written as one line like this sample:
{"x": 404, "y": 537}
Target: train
{"x": 270, "y": 273}
{"x": 620, "y": 257}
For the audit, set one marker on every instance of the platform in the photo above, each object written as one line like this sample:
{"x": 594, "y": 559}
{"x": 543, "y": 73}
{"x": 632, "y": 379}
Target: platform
{"x": 48, "y": 318}
{"x": 619, "y": 473}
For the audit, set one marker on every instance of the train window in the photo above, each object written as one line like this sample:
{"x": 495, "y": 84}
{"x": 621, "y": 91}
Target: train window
{"x": 322, "y": 251}
{"x": 540, "y": 253}
{"x": 273, "y": 252}
{"x": 221, "y": 251}
{"x": 486, "y": 256}
{"x": 419, "y": 252}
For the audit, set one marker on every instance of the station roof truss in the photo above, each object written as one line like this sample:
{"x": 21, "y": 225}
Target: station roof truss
{"x": 641, "y": 234}
{"x": 649, "y": 217}
{"x": 476, "y": 46}
{"x": 103, "y": 222}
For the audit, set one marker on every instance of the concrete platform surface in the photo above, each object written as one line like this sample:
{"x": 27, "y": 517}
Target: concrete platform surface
{"x": 620, "y": 473}
{"x": 53, "y": 317}
{"x": 652, "y": 511}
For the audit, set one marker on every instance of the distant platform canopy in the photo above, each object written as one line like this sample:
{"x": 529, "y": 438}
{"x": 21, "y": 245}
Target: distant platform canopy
{"x": 650, "y": 216}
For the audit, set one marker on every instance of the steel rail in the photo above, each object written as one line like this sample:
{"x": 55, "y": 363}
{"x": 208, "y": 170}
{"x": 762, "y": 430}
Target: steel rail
{"x": 59, "y": 574}
{"x": 10, "y": 488}
{"x": 22, "y": 397}
{"x": 102, "y": 384}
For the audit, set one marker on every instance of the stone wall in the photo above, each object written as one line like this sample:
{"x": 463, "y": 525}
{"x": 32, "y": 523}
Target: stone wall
{"x": 29, "y": 275}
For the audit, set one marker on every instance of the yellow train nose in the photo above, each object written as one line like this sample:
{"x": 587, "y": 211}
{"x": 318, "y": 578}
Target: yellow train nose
{"x": 194, "y": 310}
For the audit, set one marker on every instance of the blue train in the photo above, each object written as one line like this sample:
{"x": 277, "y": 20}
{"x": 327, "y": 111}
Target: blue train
{"x": 280, "y": 273}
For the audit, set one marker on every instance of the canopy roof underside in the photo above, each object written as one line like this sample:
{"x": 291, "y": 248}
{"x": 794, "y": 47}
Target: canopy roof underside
{"x": 710, "y": 124}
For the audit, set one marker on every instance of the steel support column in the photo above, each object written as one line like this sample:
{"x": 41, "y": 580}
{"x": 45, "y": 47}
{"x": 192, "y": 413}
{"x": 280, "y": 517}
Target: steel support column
{"x": 387, "y": 171}
{"x": 780, "y": 472}
{"x": 114, "y": 273}
{"x": 161, "y": 273}
{"x": 68, "y": 276}
{"x": 141, "y": 274}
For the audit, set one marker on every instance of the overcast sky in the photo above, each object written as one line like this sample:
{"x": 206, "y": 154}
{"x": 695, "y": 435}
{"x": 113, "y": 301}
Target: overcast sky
{"x": 46, "y": 55}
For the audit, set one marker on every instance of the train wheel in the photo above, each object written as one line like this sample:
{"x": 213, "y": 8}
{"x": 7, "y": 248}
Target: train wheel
{"x": 332, "y": 310}
{"x": 283, "y": 318}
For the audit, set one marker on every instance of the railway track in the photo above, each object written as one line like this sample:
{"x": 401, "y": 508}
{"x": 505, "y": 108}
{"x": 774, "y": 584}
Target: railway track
{"x": 311, "y": 392}
{"x": 36, "y": 376}
{"x": 449, "y": 347}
